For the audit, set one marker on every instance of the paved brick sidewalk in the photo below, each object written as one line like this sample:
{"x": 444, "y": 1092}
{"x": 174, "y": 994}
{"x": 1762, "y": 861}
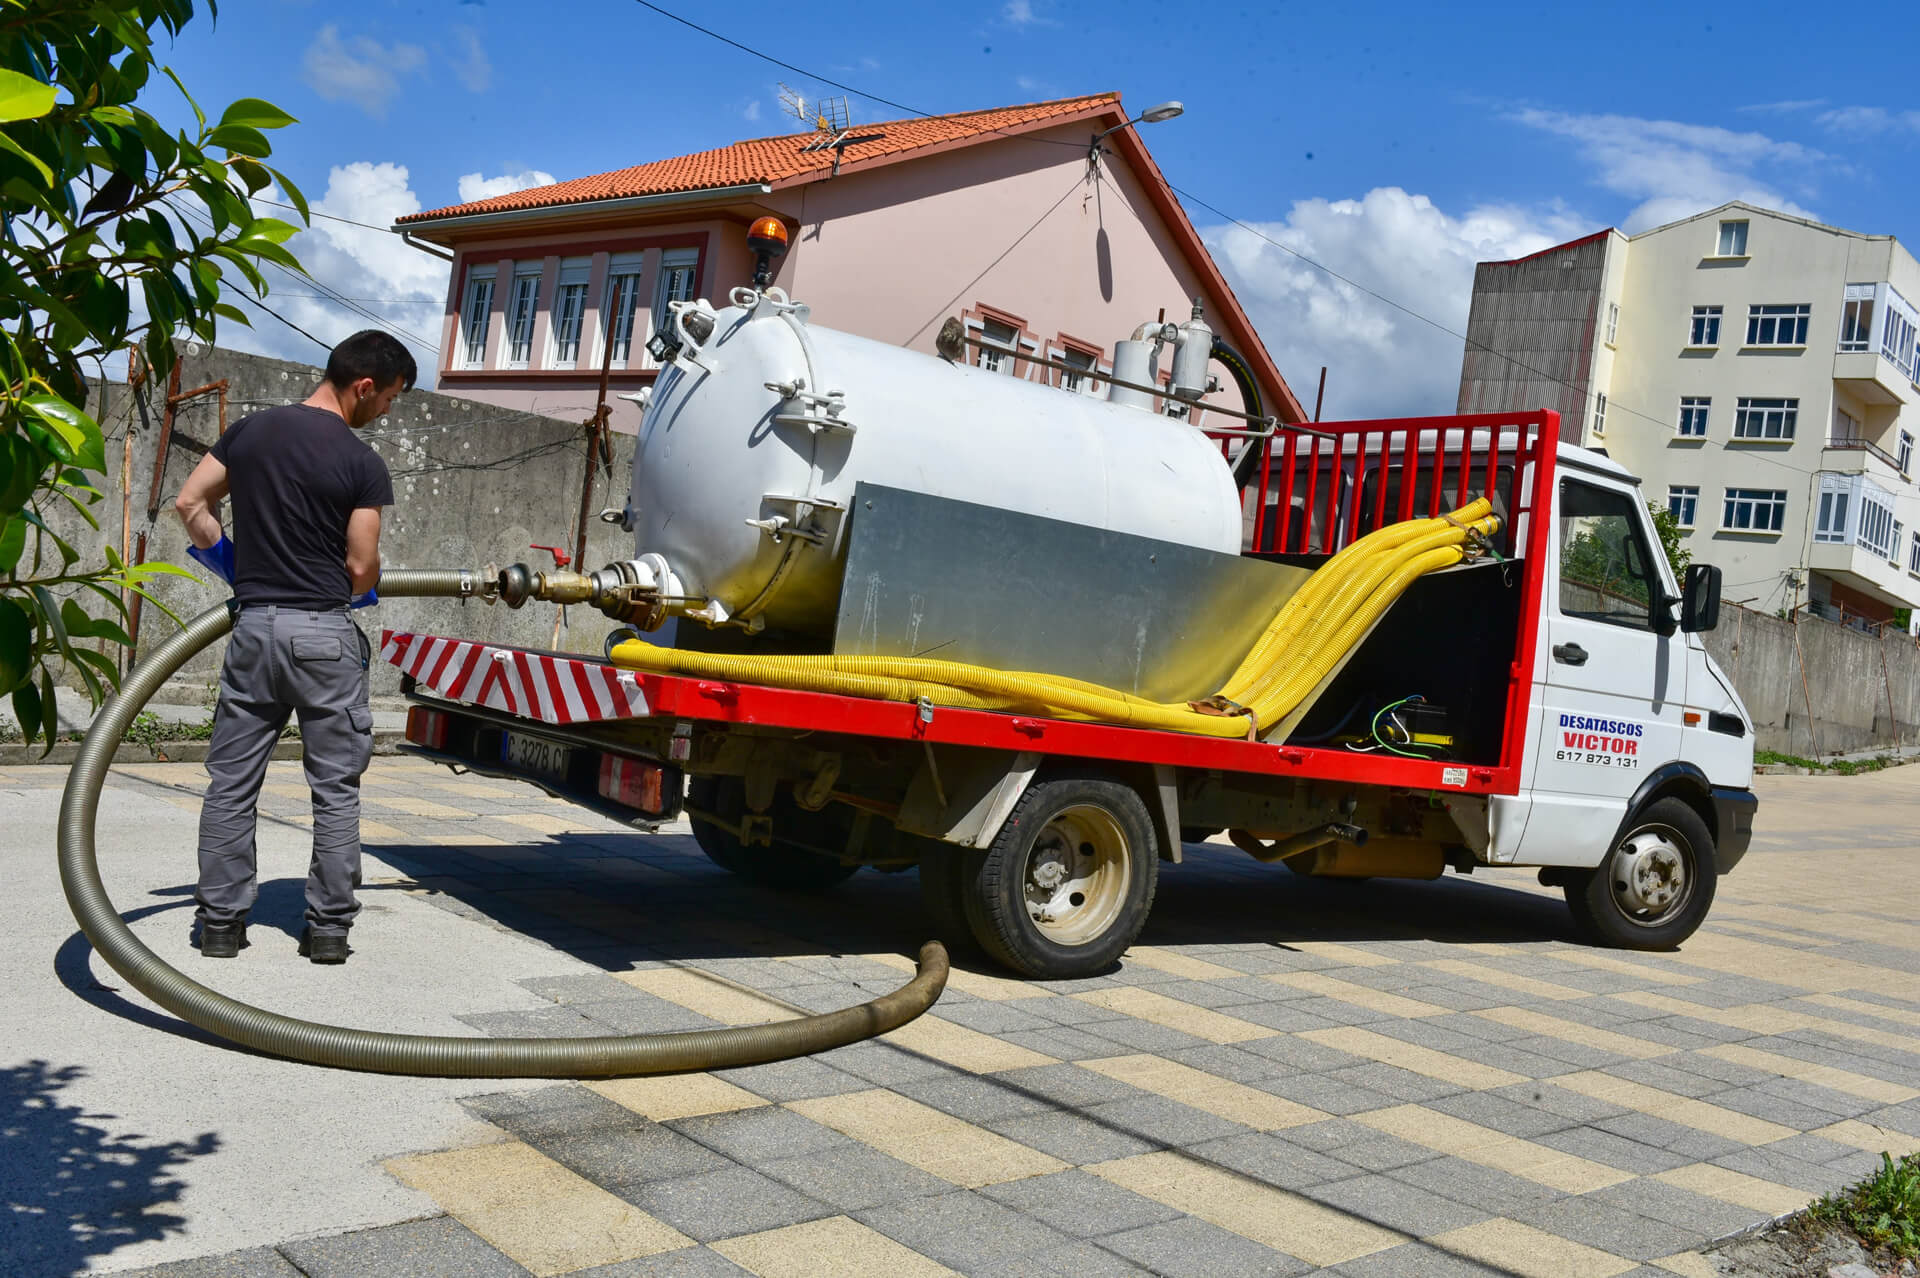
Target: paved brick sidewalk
{"x": 1404, "y": 1079}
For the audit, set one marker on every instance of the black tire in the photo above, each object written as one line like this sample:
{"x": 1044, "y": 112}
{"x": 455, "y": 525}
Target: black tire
{"x": 944, "y": 868}
{"x": 781, "y": 866}
{"x": 1115, "y": 859}
{"x": 1633, "y": 901}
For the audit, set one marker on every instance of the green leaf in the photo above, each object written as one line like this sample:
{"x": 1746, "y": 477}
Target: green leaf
{"x": 79, "y": 431}
{"x": 198, "y": 114}
{"x": 13, "y": 540}
{"x": 267, "y": 251}
{"x": 85, "y": 627}
{"x": 109, "y": 675}
{"x": 49, "y": 712}
{"x": 16, "y": 647}
{"x": 241, "y": 140}
{"x": 26, "y": 708}
{"x": 50, "y": 613}
{"x": 21, "y": 465}
{"x": 270, "y": 228}
{"x": 253, "y": 174}
{"x": 256, "y": 114}
{"x": 298, "y": 200}
{"x": 46, "y": 174}
{"x": 24, "y": 98}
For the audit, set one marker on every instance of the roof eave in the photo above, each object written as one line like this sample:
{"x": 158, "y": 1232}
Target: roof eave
{"x": 431, "y": 228}
{"x": 849, "y": 167}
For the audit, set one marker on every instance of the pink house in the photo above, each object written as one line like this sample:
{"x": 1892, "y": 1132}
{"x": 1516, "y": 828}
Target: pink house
{"x": 1003, "y": 218}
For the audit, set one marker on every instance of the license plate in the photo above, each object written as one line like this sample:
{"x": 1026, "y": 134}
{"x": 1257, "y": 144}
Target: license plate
{"x": 531, "y": 754}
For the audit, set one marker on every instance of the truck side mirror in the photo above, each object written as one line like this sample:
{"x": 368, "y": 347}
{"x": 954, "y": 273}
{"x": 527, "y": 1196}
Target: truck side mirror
{"x": 1700, "y": 599}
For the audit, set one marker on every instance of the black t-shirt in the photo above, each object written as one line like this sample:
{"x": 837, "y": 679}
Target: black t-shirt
{"x": 296, "y": 475}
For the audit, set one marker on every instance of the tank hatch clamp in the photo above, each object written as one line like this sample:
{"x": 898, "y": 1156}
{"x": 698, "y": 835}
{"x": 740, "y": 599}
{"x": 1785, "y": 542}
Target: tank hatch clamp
{"x": 816, "y": 412}
{"x": 801, "y": 524}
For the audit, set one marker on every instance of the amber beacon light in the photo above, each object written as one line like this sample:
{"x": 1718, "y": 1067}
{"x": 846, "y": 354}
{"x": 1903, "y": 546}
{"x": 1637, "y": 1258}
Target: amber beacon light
{"x": 767, "y": 237}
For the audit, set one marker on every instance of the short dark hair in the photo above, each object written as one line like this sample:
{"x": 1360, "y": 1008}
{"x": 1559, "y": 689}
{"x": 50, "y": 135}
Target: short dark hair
{"x": 371, "y": 353}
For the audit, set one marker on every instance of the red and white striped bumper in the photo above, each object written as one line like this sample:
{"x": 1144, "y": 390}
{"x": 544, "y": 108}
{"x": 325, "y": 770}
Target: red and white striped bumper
{"x": 531, "y": 685}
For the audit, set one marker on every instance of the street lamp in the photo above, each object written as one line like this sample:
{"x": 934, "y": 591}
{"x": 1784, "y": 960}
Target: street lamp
{"x": 1152, "y": 115}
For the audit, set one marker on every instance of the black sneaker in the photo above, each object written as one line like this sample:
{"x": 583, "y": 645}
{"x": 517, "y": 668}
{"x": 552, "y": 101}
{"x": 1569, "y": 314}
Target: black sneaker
{"x": 222, "y": 940}
{"x": 324, "y": 947}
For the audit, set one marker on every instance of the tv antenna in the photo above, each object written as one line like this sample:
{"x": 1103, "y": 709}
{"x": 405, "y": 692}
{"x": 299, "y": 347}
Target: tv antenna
{"x": 824, "y": 115}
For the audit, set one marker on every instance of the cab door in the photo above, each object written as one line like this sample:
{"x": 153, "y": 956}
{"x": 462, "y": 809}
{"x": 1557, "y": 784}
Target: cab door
{"x": 1613, "y": 688}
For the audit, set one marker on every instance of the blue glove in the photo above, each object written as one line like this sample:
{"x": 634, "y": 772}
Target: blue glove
{"x": 367, "y": 600}
{"x": 216, "y": 559}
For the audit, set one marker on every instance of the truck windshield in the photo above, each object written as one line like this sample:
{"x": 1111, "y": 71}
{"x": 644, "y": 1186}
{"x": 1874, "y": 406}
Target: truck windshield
{"x": 1606, "y": 572}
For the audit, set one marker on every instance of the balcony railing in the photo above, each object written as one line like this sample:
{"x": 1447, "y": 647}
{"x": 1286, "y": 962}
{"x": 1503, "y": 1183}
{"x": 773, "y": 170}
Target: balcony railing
{"x": 1869, "y": 448}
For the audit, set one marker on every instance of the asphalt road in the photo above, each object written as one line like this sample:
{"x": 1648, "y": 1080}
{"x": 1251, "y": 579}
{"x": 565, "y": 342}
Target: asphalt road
{"x": 1284, "y": 1075}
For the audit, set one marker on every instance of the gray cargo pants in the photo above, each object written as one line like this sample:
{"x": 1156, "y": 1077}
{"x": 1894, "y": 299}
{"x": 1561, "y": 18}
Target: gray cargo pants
{"x": 283, "y": 661}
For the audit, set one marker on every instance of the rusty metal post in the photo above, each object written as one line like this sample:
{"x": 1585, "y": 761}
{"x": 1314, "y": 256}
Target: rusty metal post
{"x": 163, "y": 444}
{"x": 595, "y": 431}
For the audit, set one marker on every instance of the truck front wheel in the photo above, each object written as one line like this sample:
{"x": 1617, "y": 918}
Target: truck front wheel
{"x": 1656, "y": 885}
{"x": 1067, "y": 883}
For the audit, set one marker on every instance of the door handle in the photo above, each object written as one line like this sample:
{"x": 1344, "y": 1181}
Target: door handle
{"x": 1571, "y": 653}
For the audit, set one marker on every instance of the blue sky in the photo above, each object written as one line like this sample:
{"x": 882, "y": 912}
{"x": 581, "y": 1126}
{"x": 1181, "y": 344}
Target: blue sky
{"x": 1394, "y": 143}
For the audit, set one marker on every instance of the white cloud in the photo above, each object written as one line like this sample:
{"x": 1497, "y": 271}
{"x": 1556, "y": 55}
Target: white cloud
{"x": 1676, "y": 170}
{"x": 364, "y": 71}
{"x": 1019, "y": 13}
{"x": 469, "y": 60}
{"x": 474, "y": 186}
{"x": 1791, "y": 107}
{"x": 1381, "y": 361}
{"x": 751, "y": 111}
{"x": 1864, "y": 121}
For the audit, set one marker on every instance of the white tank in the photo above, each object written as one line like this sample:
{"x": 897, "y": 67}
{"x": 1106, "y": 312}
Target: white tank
{"x": 763, "y": 429}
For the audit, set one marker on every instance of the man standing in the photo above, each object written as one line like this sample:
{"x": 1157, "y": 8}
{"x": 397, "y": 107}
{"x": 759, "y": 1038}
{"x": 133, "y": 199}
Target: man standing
{"x": 306, "y": 541}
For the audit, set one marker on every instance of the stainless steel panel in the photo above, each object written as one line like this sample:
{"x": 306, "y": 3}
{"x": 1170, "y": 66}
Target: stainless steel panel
{"x": 931, "y": 577}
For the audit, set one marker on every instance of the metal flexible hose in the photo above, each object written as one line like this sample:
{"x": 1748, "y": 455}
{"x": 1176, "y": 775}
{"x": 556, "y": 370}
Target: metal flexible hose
{"x": 408, "y": 1053}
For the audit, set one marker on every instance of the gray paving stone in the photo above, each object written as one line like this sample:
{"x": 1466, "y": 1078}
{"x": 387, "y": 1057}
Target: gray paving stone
{"x": 1357, "y": 1143}
{"x": 1476, "y": 1027}
{"x": 1396, "y": 1205}
{"x": 762, "y": 1134}
{"x": 1495, "y": 1192}
{"x": 1285, "y": 1016}
{"x": 1268, "y": 1158}
{"x": 1192, "y": 1248}
{"x": 1696, "y": 1145}
{"x": 1809, "y": 1148}
{"x": 1064, "y": 1042}
{"x": 1142, "y": 1036}
{"x": 1728, "y": 1072}
{"x": 621, "y": 1159}
{"x": 1815, "y": 1097}
{"x": 643, "y": 1015}
{"x": 542, "y": 1022}
{"x": 1163, "y": 1121}
{"x": 720, "y": 1204}
{"x": 1502, "y": 1114}
{"x": 1227, "y": 1062}
{"x": 438, "y": 1248}
{"x": 550, "y": 1112}
{"x": 596, "y": 987}
{"x": 1663, "y": 1076}
{"x": 854, "y": 1177}
{"x": 256, "y": 1262}
{"x": 1069, "y": 1011}
{"x": 1391, "y": 1080}
{"x": 1425, "y": 1032}
{"x": 799, "y": 1079}
{"x": 1610, "y": 1227}
{"x": 975, "y": 1098}
{"x": 995, "y": 1018}
{"x": 1571, "y": 1055}
{"x": 1763, "y": 1102}
{"x": 1078, "y": 1204}
{"x": 1069, "y": 1086}
{"x": 885, "y": 1064}
{"x": 1614, "y": 1150}
{"x": 1324, "y": 1093}
{"x": 1072, "y": 1138}
{"x": 1558, "y": 1100}
{"x": 1328, "y": 1011}
{"x": 1415, "y": 1260}
{"x": 1682, "y": 1208}
{"x": 1781, "y": 1169}
{"x": 688, "y": 1262}
{"x": 1075, "y": 1260}
{"x": 962, "y": 1230}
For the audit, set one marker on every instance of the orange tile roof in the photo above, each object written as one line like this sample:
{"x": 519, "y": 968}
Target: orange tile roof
{"x": 778, "y": 160}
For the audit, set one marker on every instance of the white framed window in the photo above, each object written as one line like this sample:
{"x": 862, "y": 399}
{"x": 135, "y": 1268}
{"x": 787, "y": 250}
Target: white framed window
{"x": 1897, "y": 338}
{"x": 1903, "y": 457}
{"x": 1754, "y": 509}
{"x": 1613, "y": 322}
{"x": 1830, "y": 517}
{"x": 569, "y": 310}
{"x": 1876, "y": 522}
{"x": 619, "y": 303}
{"x": 1705, "y": 329}
{"x": 1784, "y": 325}
{"x": 999, "y": 344}
{"x": 1733, "y": 240}
{"x": 1846, "y": 427}
{"x": 1856, "y": 318}
{"x": 1683, "y": 502}
{"x": 1765, "y": 418}
{"x": 476, "y": 314}
{"x": 1913, "y": 553}
{"x": 676, "y": 283}
{"x": 1600, "y": 414}
{"x": 522, "y": 305}
{"x": 1895, "y": 543}
{"x": 1852, "y": 508}
{"x": 1693, "y": 415}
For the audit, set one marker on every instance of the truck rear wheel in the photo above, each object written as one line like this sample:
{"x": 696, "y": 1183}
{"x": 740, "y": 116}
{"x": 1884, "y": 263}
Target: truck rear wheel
{"x": 1656, "y": 885}
{"x": 781, "y": 865}
{"x": 1066, "y": 886}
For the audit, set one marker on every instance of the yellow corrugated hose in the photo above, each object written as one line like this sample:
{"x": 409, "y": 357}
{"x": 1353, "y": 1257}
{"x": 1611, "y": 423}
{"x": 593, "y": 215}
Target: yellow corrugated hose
{"x": 1307, "y": 637}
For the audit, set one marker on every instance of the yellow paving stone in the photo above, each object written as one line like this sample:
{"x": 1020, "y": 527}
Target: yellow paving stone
{"x": 1178, "y": 964}
{"x": 1237, "y": 1102}
{"x": 1865, "y": 926}
{"x": 464, "y": 839}
{"x": 832, "y": 1248}
{"x": 1534, "y": 1022}
{"x": 284, "y": 790}
{"x": 1529, "y": 1252}
{"x": 1273, "y": 1217}
{"x": 1688, "y": 1264}
{"x": 1506, "y": 980}
{"x": 1566, "y": 1172}
{"x": 1783, "y": 965}
{"x": 1763, "y": 1018}
{"x": 1359, "y": 995}
{"x": 1874, "y": 1139}
{"x": 1215, "y": 1027}
{"x": 1900, "y": 1015}
{"x": 414, "y": 806}
{"x": 541, "y": 822}
{"x": 1625, "y": 967}
{"x": 1351, "y": 955}
{"x": 967, "y": 1048}
{"x": 1675, "y": 1108}
{"x": 667, "y": 1096}
{"x": 1839, "y": 1080}
{"x": 383, "y": 832}
{"x": 1741, "y": 927}
{"x": 941, "y": 1144}
{"x": 979, "y": 984}
{"x": 1410, "y": 1056}
{"x": 1737, "y": 1188}
{"x": 548, "y": 1218}
{"x": 707, "y": 994}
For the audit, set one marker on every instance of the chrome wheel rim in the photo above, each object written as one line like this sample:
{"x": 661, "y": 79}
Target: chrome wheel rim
{"x": 1077, "y": 875}
{"x": 1649, "y": 876}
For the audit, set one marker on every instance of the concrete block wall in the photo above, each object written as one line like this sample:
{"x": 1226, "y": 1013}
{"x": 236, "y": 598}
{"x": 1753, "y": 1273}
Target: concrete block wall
{"x": 1814, "y": 687}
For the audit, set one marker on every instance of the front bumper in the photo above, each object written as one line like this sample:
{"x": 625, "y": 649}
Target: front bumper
{"x": 1733, "y": 822}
